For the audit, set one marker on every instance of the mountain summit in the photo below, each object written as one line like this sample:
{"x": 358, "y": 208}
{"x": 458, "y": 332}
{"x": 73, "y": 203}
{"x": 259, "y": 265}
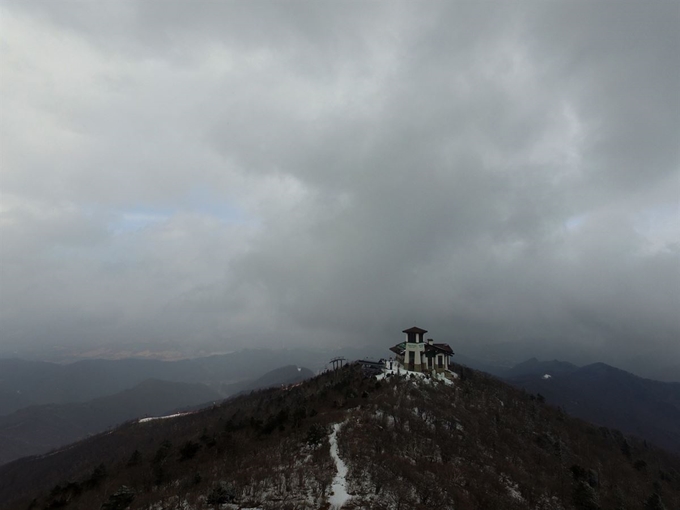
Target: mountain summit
{"x": 401, "y": 440}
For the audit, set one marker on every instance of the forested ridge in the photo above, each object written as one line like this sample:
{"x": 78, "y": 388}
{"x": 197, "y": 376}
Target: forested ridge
{"x": 408, "y": 443}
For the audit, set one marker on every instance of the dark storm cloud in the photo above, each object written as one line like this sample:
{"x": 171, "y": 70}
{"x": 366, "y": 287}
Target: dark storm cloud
{"x": 490, "y": 172}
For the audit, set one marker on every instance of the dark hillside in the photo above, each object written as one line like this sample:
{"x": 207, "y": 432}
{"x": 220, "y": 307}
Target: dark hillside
{"x": 281, "y": 376}
{"x": 21, "y": 380}
{"x": 38, "y": 429}
{"x": 612, "y": 397}
{"x": 407, "y": 444}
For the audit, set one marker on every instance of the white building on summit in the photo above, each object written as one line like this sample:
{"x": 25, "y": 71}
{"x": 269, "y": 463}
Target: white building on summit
{"x": 418, "y": 355}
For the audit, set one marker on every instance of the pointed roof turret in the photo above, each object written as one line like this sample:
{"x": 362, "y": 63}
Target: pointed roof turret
{"x": 414, "y": 329}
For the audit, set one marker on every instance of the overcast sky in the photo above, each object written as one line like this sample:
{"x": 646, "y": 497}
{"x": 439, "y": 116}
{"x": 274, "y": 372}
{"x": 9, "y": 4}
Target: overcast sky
{"x": 330, "y": 173}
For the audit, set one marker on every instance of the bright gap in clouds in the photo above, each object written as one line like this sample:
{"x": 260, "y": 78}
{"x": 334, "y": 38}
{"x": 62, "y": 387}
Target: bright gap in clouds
{"x": 660, "y": 225}
{"x": 198, "y": 203}
{"x": 137, "y": 219}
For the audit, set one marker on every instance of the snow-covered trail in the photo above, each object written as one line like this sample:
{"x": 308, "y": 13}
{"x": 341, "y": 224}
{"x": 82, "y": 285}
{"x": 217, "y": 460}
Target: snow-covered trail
{"x": 339, "y": 496}
{"x": 153, "y": 418}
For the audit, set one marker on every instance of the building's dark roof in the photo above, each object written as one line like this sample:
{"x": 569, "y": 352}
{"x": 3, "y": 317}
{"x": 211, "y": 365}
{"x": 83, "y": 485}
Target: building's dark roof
{"x": 415, "y": 330}
{"x": 370, "y": 363}
{"x": 445, "y": 348}
{"x": 399, "y": 348}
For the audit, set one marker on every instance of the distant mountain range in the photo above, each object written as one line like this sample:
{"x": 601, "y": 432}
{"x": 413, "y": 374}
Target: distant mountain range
{"x": 606, "y": 396}
{"x": 24, "y": 383}
{"x": 496, "y": 358}
{"x": 39, "y": 429}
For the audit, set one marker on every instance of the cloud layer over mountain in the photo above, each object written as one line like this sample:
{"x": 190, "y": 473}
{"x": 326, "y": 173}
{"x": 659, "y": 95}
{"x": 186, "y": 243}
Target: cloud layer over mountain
{"x": 268, "y": 173}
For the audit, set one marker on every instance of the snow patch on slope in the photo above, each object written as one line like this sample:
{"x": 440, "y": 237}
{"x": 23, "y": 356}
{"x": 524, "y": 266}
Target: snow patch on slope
{"x": 144, "y": 420}
{"x": 395, "y": 368}
{"x": 339, "y": 487}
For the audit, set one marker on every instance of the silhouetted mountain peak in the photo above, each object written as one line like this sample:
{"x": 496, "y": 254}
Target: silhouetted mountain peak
{"x": 535, "y": 367}
{"x": 529, "y": 363}
{"x": 603, "y": 368}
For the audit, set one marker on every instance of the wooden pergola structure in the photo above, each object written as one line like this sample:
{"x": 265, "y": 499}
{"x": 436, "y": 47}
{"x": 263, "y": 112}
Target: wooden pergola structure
{"x": 337, "y": 362}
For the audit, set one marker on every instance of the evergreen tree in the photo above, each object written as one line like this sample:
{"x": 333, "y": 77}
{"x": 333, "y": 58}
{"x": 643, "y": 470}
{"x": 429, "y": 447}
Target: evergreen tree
{"x": 654, "y": 503}
{"x": 584, "y": 497}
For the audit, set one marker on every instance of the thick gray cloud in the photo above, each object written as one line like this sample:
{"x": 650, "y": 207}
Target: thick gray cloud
{"x": 329, "y": 173}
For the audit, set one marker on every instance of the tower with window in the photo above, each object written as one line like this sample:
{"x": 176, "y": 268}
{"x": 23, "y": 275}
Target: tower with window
{"x": 418, "y": 355}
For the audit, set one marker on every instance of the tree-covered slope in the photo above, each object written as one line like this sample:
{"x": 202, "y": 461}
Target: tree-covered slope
{"x": 407, "y": 443}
